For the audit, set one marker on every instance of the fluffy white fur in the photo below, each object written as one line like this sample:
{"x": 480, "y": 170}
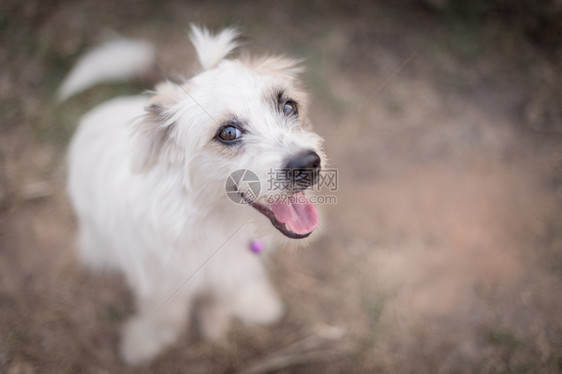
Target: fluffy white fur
{"x": 147, "y": 180}
{"x": 212, "y": 49}
{"x": 115, "y": 60}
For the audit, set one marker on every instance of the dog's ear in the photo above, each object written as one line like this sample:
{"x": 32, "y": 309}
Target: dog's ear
{"x": 284, "y": 67}
{"x": 155, "y": 130}
{"x": 213, "y": 48}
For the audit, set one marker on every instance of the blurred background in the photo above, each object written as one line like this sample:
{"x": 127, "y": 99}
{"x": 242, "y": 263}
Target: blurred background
{"x": 444, "y": 252}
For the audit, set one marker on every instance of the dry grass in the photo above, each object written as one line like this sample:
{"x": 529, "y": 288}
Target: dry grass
{"x": 444, "y": 250}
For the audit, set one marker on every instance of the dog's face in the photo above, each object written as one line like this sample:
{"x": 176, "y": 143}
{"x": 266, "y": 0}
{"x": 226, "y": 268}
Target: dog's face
{"x": 240, "y": 114}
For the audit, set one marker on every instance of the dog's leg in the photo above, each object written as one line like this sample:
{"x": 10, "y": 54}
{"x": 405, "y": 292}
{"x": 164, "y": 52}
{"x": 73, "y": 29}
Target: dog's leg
{"x": 243, "y": 291}
{"x": 156, "y": 326}
{"x": 214, "y": 319}
{"x": 255, "y": 301}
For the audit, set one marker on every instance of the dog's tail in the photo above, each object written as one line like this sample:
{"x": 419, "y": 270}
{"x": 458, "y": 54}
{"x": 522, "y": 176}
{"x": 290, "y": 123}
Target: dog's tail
{"x": 117, "y": 60}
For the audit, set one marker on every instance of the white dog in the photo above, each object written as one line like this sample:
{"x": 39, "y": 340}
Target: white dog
{"x": 147, "y": 178}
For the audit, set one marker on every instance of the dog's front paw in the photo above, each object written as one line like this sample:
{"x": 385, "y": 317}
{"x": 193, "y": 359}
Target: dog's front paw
{"x": 214, "y": 320}
{"x": 142, "y": 341}
{"x": 259, "y": 304}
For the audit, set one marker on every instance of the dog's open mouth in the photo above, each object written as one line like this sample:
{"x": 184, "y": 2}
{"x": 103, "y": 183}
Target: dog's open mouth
{"x": 295, "y": 216}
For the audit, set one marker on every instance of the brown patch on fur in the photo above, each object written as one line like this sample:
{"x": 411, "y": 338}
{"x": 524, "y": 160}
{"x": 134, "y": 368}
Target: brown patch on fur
{"x": 286, "y": 69}
{"x": 153, "y": 133}
{"x": 289, "y": 92}
{"x": 166, "y": 94}
{"x": 283, "y": 67}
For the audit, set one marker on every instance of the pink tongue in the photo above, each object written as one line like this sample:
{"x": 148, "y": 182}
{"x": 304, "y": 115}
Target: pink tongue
{"x": 297, "y": 212}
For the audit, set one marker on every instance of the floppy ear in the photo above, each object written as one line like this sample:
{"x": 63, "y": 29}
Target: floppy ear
{"x": 213, "y": 48}
{"x": 155, "y": 130}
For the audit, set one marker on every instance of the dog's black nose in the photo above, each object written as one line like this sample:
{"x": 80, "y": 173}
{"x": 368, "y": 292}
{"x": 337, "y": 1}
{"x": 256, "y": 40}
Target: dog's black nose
{"x": 303, "y": 169}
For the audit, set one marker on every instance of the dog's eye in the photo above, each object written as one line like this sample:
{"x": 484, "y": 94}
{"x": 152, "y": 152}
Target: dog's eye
{"x": 229, "y": 134}
{"x": 290, "y": 108}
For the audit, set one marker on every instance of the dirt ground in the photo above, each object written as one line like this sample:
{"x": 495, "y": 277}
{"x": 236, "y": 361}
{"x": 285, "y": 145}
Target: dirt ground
{"x": 443, "y": 252}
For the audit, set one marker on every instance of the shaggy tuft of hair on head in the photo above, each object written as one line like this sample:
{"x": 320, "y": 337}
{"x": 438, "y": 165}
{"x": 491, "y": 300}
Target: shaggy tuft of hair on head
{"x": 212, "y": 48}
